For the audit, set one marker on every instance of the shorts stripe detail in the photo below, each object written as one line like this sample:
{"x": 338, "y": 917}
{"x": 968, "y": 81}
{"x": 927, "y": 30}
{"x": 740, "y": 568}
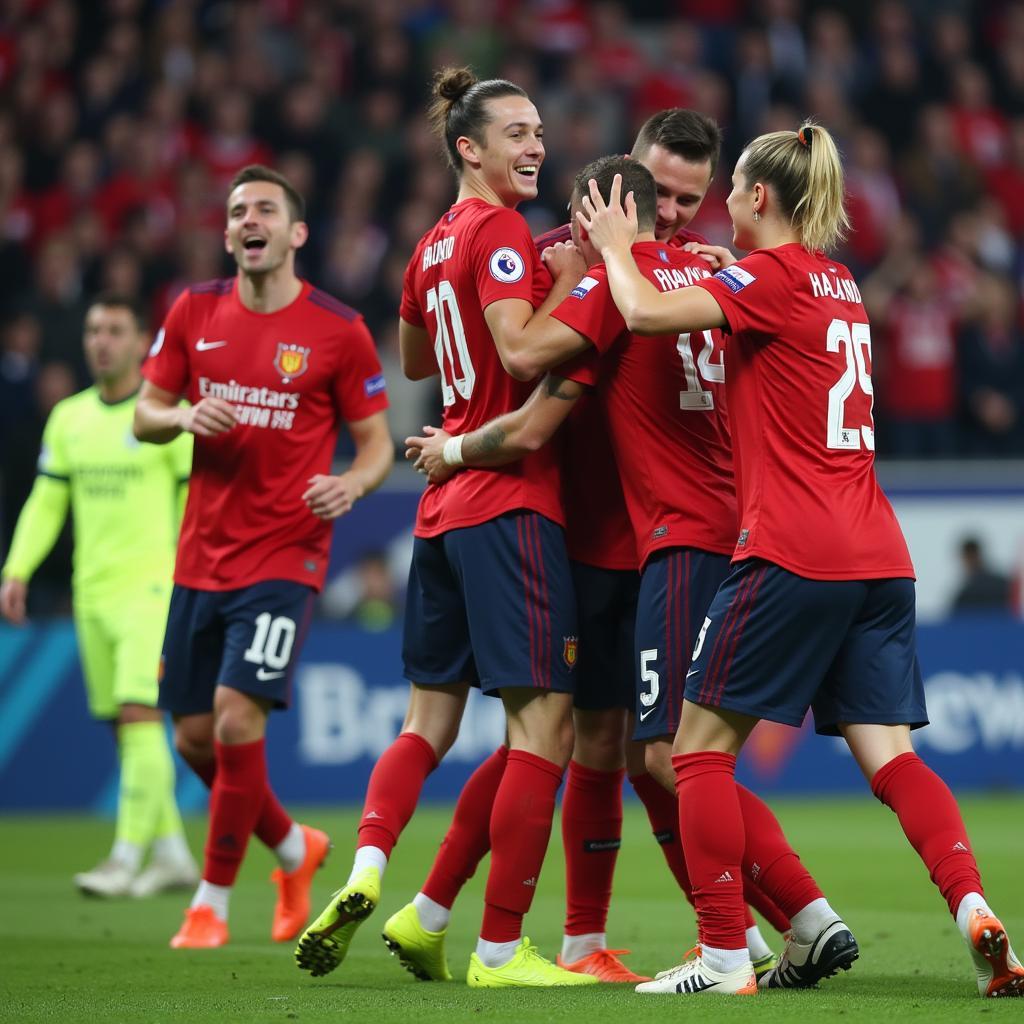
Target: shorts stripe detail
{"x": 710, "y": 684}
{"x": 678, "y": 671}
{"x": 668, "y": 626}
{"x": 527, "y": 596}
{"x": 687, "y": 638}
{"x": 544, "y": 610}
{"x": 749, "y": 604}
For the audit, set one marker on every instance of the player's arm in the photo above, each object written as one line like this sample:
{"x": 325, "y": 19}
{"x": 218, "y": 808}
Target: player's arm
{"x": 646, "y": 310}
{"x": 504, "y": 439}
{"x": 331, "y": 496}
{"x": 35, "y": 534}
{"x": 417, "y": 351}
{"x": 160, "y": 418}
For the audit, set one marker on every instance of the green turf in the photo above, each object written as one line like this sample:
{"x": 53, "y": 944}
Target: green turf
{"x": 64, "y": 958}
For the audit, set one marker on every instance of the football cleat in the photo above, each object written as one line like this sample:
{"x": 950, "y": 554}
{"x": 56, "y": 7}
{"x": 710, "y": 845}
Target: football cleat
{"x": 693, "y": 978}
{"x": 526, "y": 969}
{"x": 164, "y": 875}
{"x": 202, "y": 929}
{"x": 420, "y": 952}
{"x": 803, "y": 965}
{"x": 764, "y": 964}
{"x": 110, "y": 878}
{"x": 999, "y": 971}
{"x": 291, "y": 912}
{"x": 325, "y": 942}
{"x": 605, "y": 965}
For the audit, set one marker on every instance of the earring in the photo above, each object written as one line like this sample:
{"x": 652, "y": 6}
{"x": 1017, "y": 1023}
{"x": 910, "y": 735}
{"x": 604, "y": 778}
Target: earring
{"x": 757, "y": 216}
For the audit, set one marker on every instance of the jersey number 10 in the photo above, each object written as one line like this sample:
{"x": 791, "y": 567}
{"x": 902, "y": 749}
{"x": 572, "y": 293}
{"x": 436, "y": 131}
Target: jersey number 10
{"x": 439, "y": 300}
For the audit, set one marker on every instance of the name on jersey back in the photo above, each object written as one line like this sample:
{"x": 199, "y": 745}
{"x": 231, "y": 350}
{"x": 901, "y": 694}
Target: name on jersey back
{"x": 679, "y": 277}
{"x": 440, "y": 251}
{"x": 831, "y": 286}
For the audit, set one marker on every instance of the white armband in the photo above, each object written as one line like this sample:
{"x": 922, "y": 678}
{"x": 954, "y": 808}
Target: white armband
{"x": 452, "y": 451}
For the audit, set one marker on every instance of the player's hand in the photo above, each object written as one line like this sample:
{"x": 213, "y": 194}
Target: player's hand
{"x": 607, "y": 224}
{"x": 208, "y": 417}
{"x": 564, "y": 259}
{"x": 12, "y": 600}
{"x": 717, "y": 256}
{"x": 427, "y": 455}
{"x": 328, "y": 497}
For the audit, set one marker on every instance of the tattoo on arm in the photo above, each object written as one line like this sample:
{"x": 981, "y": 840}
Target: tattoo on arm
{"x": 491, "y": 440}
{"x": 554, "y": 389}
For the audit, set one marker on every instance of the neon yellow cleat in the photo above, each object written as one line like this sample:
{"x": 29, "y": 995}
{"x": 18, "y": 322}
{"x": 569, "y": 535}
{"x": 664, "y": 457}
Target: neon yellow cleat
{"x": 764, "y": 964}
{"x": 323, "y": 945}
{"x": 420, "y": 952}
{"x": 526, "y": 969}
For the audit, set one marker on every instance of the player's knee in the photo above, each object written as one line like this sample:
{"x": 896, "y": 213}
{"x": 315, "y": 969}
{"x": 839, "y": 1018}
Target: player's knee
{"x": 194, "y": 749}
{"x": 658, "y": 762}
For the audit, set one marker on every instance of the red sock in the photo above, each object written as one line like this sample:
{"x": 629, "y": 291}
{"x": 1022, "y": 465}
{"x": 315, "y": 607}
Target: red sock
{"x": 931, "y": 820}
{"x": 591, "y": 835}
{"x": 520, "y": 829}
{"x": 771, "y": 862}
{"x": 711, "y": 828}
{"x": 235, "y": 802}
{"x": 274, "y": 821}
{"x": 469, "y": 835}
{"x": 663, "y": 814}
{"x": 764, "y": 905}
{"x": 394, "y": 790}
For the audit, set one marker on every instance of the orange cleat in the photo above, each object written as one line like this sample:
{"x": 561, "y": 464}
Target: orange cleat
{"x": 999, "y": 972}
{"x": 292, "y": 908}
{"x": 605, "y": 965}
{"x": 202, "y": 929}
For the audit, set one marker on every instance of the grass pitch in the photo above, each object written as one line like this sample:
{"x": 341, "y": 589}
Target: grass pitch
{"x": 67, "y": 959}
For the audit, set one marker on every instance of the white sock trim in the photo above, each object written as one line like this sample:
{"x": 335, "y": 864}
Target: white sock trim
{"x": 291, "y": 851}
{"x": 576, "y": 947}
{"x": 809, "y": 922}
{"x": 368, "y": 857}
{"x": 756, "y": 943}
{"x": 496, "y": 954}
{"x": 432, "y": 915}
{"x": 215, "y": 897}
{"x": 971, "y": 902}
{"x": 723, "y": 961}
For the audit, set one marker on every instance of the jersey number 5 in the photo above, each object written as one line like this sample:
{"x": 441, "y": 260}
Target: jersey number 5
{"x": 460, "y": 377}
{"x": 856, "y": 340}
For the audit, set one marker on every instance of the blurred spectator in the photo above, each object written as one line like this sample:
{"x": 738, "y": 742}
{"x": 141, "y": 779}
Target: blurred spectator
{"x": 377, "y": 603}
{"x": 982, "y": 589}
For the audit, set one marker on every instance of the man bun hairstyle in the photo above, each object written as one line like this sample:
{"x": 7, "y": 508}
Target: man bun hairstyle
{"x": 805, "y": 171}
{"x": 686, "y": 133}
{"x": 635, "y": 178}
{"x": 459, "y": 107}
{"x": 257, "y": 172}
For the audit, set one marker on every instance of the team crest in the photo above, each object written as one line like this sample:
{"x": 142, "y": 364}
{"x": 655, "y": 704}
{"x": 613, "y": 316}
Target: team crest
{"x": 291, "y": 361}
{"x": 570, "y": 650}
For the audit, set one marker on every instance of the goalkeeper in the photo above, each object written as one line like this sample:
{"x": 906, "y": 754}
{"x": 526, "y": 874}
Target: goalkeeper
{"x": 126, "y": 499}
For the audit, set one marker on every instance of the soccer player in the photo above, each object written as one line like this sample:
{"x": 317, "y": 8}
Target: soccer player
{"x": 126, "y": 504}
{"x": 680, "y": 147}
{"x": 819, "y": 610}
{"x": 272, "y": 366}
{"x": 664, "y": 403}
{"x": 490, "y": 597}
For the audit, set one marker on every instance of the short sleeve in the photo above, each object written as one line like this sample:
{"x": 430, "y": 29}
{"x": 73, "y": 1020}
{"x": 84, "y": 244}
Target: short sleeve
{"x": 590, "y": 310}
{"x": 503, "y": 258}
{"x": 166, "y": 366}
{"x": 359, "y": 386}
{"x": 409, "y": 309}
{"x": 584, "y": 368}
{"x": 53, "y": 461}
{"x": 755, "y": 294}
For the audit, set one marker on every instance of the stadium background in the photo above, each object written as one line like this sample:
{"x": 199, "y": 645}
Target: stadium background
{"x": 122, "y": 120}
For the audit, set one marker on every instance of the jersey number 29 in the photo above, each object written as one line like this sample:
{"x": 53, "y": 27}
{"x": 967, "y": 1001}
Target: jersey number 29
{"x": 856, "y": 340}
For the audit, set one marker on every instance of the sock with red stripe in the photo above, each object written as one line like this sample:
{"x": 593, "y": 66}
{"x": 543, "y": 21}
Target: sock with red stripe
{"x": 520, "y": 829}
{"x": 663, "y": 813}
{"x": 770, "y": 860}
{"x": 274, "y": 822}
{"x": 394, "y": 790}
{"x": 235, "y": 801}
{"x": 931, "y": 819}
{"x": 469, "y": 836}
{"x": 591, "y": 835}
{"x": 711, "y": 828}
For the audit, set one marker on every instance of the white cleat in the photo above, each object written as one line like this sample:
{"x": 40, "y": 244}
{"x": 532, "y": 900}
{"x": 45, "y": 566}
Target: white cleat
{"x": 110, "y": 878}
{"x": 165, "y": 876}
{"x": 693, "y": 978}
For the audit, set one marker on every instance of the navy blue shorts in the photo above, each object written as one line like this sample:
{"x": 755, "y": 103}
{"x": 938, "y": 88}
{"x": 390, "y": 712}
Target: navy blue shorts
{"x": 775, "y": 644}
{"x": 606, "y": 606}
{"x": 492, "y": 605}
{"x": 676, "y": 590}
{"x": 248, "y": 639}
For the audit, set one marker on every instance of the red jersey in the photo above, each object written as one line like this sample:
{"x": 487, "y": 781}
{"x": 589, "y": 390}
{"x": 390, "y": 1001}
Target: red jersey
{"x": 800, "y": 401}
{"x": 665, "y": 403}
{"x": 597, "y": 527}
{"x": 476, "y": 254}
{"x": 293, "y": 376}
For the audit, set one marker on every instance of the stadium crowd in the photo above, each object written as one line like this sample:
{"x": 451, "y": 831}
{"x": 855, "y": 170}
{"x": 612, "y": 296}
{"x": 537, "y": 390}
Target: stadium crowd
{"x": 122, "y": 121}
